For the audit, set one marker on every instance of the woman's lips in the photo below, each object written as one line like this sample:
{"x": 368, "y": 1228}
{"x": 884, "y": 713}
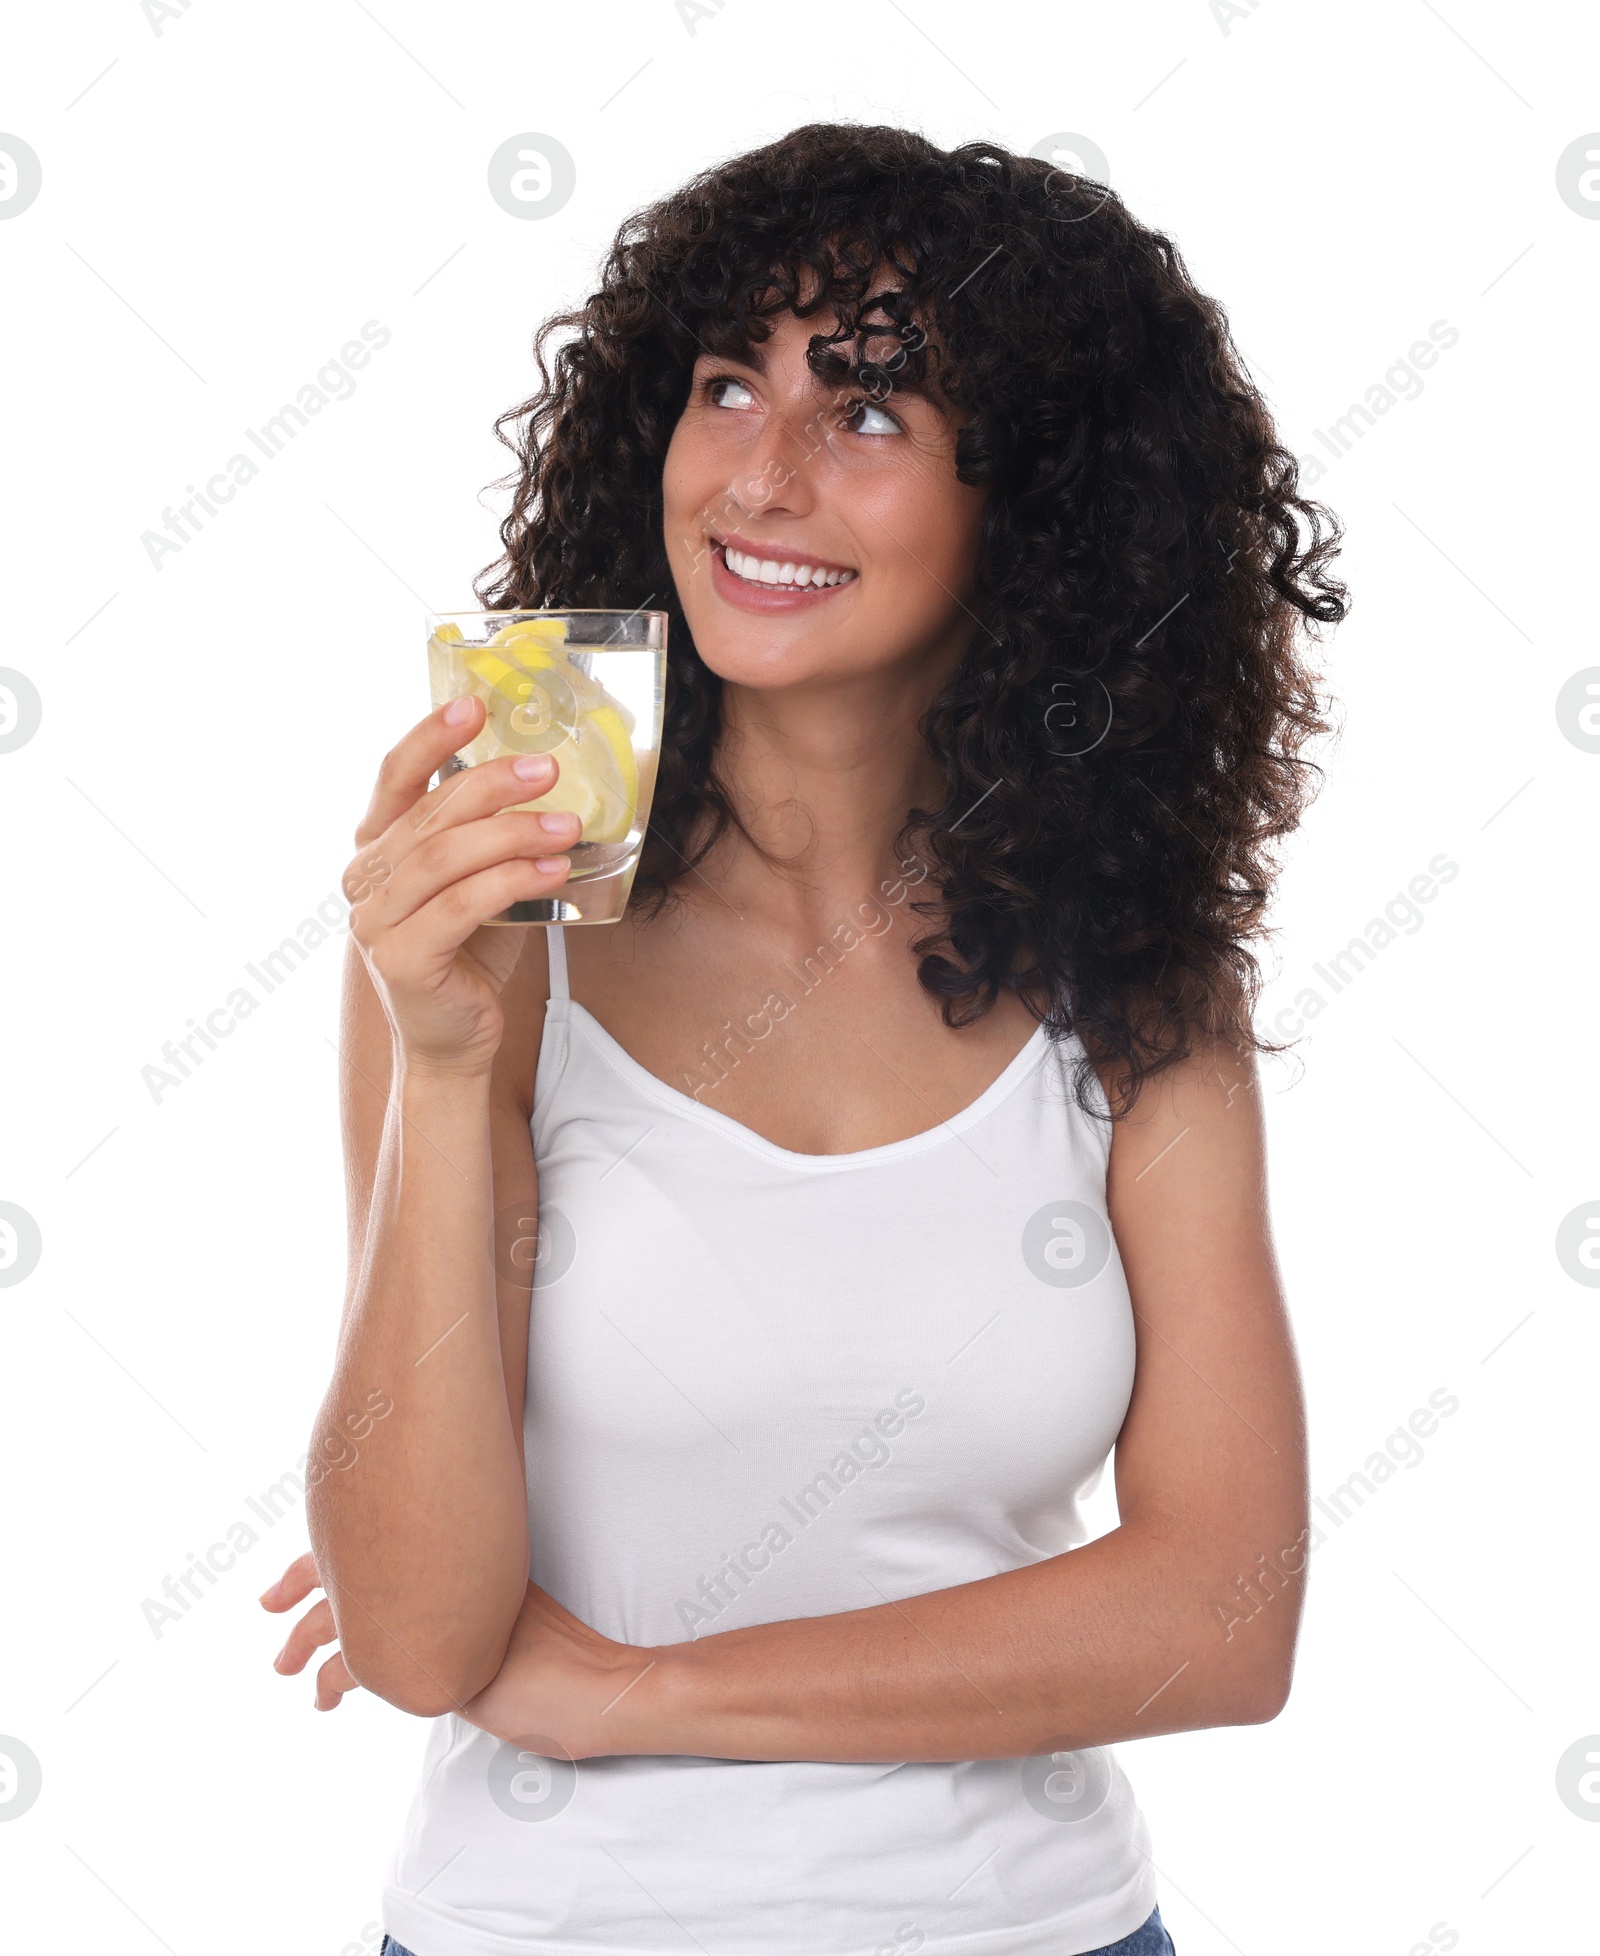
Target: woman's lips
{"x": 769, "y": 597}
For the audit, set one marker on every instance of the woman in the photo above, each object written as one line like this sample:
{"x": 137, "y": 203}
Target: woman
{"x": 896, "y": 1155}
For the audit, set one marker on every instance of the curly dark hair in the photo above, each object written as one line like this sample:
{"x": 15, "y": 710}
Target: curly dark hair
{"x": 1120, "y": 746}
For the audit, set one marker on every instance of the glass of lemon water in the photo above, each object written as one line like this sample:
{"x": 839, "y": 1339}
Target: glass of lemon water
{"x": 585, "y": 687}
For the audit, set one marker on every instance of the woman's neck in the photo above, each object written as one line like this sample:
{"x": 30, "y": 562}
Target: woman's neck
{"x": 822, "y": 780}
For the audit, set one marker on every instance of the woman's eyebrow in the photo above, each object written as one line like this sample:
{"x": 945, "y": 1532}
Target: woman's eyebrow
{"x": 754, "y": 356}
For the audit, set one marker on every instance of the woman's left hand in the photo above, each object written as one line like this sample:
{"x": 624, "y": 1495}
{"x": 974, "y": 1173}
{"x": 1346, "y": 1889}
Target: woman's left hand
{"x": 556, "y": 1685}
{"x": 555, "y": 1691}
{"x": 314, "y": 1629}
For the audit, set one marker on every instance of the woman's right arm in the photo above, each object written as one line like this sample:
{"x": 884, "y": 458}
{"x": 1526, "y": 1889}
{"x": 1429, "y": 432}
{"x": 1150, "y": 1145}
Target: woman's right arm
{"x": 421, "y": 1537}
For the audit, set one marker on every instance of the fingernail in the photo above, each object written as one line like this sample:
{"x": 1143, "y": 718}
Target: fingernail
{"x": 559, "y": 823}
{"x": 458, "y": 710}
{"x": 280, "y": 1657}
{"x": 554, "y": 865}
{"x": 532, "y": 767}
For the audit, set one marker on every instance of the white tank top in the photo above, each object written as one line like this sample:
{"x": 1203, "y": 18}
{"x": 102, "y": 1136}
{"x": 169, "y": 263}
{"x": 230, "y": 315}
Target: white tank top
{"x": 765, "y": 1385}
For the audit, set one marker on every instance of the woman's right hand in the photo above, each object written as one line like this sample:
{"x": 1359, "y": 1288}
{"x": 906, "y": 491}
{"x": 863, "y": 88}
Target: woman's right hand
{"x": 432, "y": 865}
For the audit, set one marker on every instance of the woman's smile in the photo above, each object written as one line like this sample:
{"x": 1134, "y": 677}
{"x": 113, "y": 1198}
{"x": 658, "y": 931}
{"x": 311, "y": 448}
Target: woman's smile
{"x": 773, "y": 579}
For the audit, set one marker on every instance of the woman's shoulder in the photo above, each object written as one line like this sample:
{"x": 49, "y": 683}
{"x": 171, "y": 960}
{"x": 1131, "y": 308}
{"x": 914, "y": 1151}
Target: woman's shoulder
{"x": 1210, "y": 1102}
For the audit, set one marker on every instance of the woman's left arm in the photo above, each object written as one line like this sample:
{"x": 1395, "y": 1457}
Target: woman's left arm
{"x": 1183, "y": 1616}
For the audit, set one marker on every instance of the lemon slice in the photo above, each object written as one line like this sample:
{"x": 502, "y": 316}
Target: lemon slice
{"x": 617, "y": 733}
{"x": 550, "y": 625}
{"x": 592, "y": 784}
{"x": 447, "y": 678}
{"x": 541, "y": 702}
{"x": 530, "y": 711}
{"x": 532, "y": 642}
{"x": 443, "y": 651}
{"x": 499, "y": 674}
{"x": 577, "y": 792}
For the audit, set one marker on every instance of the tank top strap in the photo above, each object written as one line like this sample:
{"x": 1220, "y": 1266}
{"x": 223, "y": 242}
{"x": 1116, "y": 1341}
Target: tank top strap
{"x": 556, "y": 938}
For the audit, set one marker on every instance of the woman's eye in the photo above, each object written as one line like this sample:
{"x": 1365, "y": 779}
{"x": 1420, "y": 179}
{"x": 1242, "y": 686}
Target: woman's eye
{"x": 722, "y": 380}
{"x": 871, "y": 407}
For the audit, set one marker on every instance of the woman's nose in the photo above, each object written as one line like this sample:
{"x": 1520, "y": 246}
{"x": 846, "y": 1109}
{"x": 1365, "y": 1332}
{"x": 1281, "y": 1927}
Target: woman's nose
{"x": 777, "y": 473}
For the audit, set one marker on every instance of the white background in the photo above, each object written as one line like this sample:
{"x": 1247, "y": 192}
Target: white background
{"x": 225, "y": 202}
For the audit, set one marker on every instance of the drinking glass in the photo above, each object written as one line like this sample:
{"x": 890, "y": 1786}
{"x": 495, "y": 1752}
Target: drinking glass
{"x": 586, "y": 687}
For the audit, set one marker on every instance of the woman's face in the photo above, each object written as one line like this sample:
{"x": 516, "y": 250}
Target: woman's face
{"x": 783, "y": 468}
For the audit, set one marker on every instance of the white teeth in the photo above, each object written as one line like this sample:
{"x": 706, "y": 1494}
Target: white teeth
{"x": 763, "y": 570}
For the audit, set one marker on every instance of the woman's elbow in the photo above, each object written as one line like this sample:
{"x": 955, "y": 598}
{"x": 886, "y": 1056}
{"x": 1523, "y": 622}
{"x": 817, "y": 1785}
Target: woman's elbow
{"x": 1248, "y": 1681}
{"x": 423, "y": 1688}
{"x": 1252, "y": 1667}
{"x": 1268, "y": 1694}
{"x": 1255, "y": 1693}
